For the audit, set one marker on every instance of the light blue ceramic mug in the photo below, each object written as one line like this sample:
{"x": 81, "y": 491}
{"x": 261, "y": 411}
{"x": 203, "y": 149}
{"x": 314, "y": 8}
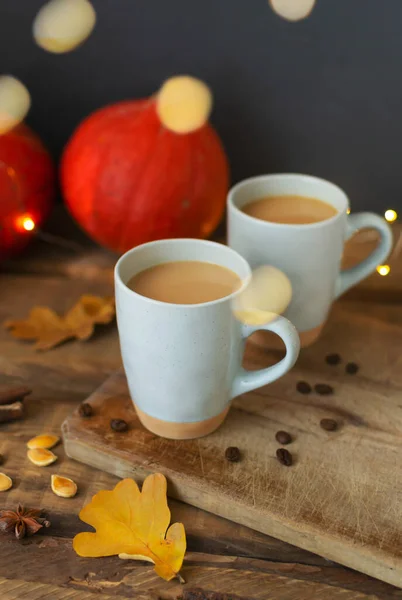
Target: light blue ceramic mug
{"x": 309, "y": 254}
{"x": 183, "y": 361}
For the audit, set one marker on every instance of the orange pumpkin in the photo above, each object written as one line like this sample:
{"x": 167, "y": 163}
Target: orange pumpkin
{"x": 148, "y": 169}
{"x": 27, "y": 188}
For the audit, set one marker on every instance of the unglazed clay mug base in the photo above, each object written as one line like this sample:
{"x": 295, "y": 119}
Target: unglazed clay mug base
{"x": 183, "y": 361}
{"x": 309, "y": 254}
{"x": 181, "y": 431}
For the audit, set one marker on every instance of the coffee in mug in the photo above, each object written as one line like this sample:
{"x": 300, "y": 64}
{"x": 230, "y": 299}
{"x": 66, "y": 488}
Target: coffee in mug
{"x": 290, "y": 209}
{"x": 185, "y": 282}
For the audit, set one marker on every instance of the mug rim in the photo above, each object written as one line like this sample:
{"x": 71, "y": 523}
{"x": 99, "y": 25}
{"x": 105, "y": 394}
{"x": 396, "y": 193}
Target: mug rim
{"x": 272, "y": 176}
{"x": 119, "y": 281}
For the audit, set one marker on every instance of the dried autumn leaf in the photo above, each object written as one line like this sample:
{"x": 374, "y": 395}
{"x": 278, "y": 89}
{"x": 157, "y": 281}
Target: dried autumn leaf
{"x": 49, "y": 330}
{"x": 134, "y": 523}
{"x": 41, "y": 457}
{"x": 46, "y": 440}
{"x": 89, "y": 311}
{"x": 43, "y": 325}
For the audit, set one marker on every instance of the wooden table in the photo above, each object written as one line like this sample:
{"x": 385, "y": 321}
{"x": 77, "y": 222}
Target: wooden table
{"x": 224, "y": 560}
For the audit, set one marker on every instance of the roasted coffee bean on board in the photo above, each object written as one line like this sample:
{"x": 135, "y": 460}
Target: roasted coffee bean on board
{"x": 329, "y": 424}
{"x": 118, "y": 425}
{"x": 284, "y": 457}
{"x": 351, "y": 368}
{"x": 85, "y": 410}
{"x": 333, "y": 359}
{"x": 303, "y": 387}
{"x": 323, "y": 389}
{"x": 283, "y": 437}
{"x": 232, "y": 454}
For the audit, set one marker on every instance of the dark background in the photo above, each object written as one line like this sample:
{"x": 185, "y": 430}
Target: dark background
{"x": 322, "y": 96}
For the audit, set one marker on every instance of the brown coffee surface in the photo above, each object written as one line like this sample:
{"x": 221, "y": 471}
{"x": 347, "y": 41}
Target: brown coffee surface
{"x": 290, "y": 209}
{"x": 185, "y": 282}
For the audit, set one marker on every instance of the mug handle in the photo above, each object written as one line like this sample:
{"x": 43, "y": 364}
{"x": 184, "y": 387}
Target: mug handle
{"x": 245, "y": 381}
{"x": 350, "y": 277}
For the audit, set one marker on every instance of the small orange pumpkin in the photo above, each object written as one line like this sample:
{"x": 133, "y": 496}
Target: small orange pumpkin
{"x": 27, "y": 188}
{"x": 148, "y": 169}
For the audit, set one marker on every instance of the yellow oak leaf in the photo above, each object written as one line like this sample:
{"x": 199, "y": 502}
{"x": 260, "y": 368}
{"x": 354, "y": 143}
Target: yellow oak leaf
{"x": 42, "y": 324}
{"x": 49, "y": 329}
{"x": 135, "y": 525}
{"x": 87, "y": 312}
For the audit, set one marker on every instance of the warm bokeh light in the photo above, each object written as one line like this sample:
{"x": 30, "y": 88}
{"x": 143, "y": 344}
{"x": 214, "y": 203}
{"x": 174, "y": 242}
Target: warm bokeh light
{"x": 15, "y": 102}
{"x": 267, "y": 295}
{"x": 62, "y": 25}
{"x": 383, "y": 269}
{"x": 390, "y": 215}
{"x": 28, "y": 224}
{"x": 184, "y": 104}
{"x": 292, "y": 10}
{"x": 25, "y": 223}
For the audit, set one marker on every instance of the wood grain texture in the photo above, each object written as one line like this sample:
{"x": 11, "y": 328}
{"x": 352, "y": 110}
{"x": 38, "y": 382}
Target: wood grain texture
{"x": 341, "y": 498}
{"x": 246, "y": 578}
{"x": 222, "y": 554}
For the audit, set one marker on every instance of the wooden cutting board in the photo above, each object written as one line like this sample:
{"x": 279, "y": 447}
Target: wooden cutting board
{"x": 341, "y": 499}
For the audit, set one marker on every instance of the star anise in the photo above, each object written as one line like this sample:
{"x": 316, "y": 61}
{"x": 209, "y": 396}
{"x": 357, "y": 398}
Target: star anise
{"x": 23, "y": 521}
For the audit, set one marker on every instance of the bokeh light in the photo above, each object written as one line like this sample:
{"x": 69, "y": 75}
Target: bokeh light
{"x": 15, "y": 102}
{"x": 292, "y": 10}
{"x": 390, "y": 215}
{"x": 184, "y": 104}
{"x": 383, "y": 269}
{"x": 267, "y": 295}
{"x": 62, "y": 25}
{"x": 25, "y": 223}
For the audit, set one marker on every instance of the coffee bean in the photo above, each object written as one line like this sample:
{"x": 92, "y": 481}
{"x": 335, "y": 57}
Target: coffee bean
{"x": 351, "y": 368}
{"x": 284, "y": 457}
{"x": 232, "y": 454}
{"x": 323, "y": 389}
{"x": 303, "y": 387}
{"x": 85, "y": 410}
{"x": 283, "y": 437}
{"x": 333, "y": 359}
{"x": 329, "y": 424}
{"x": 118, "y": 425}
{"x": 1, "y": 459}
